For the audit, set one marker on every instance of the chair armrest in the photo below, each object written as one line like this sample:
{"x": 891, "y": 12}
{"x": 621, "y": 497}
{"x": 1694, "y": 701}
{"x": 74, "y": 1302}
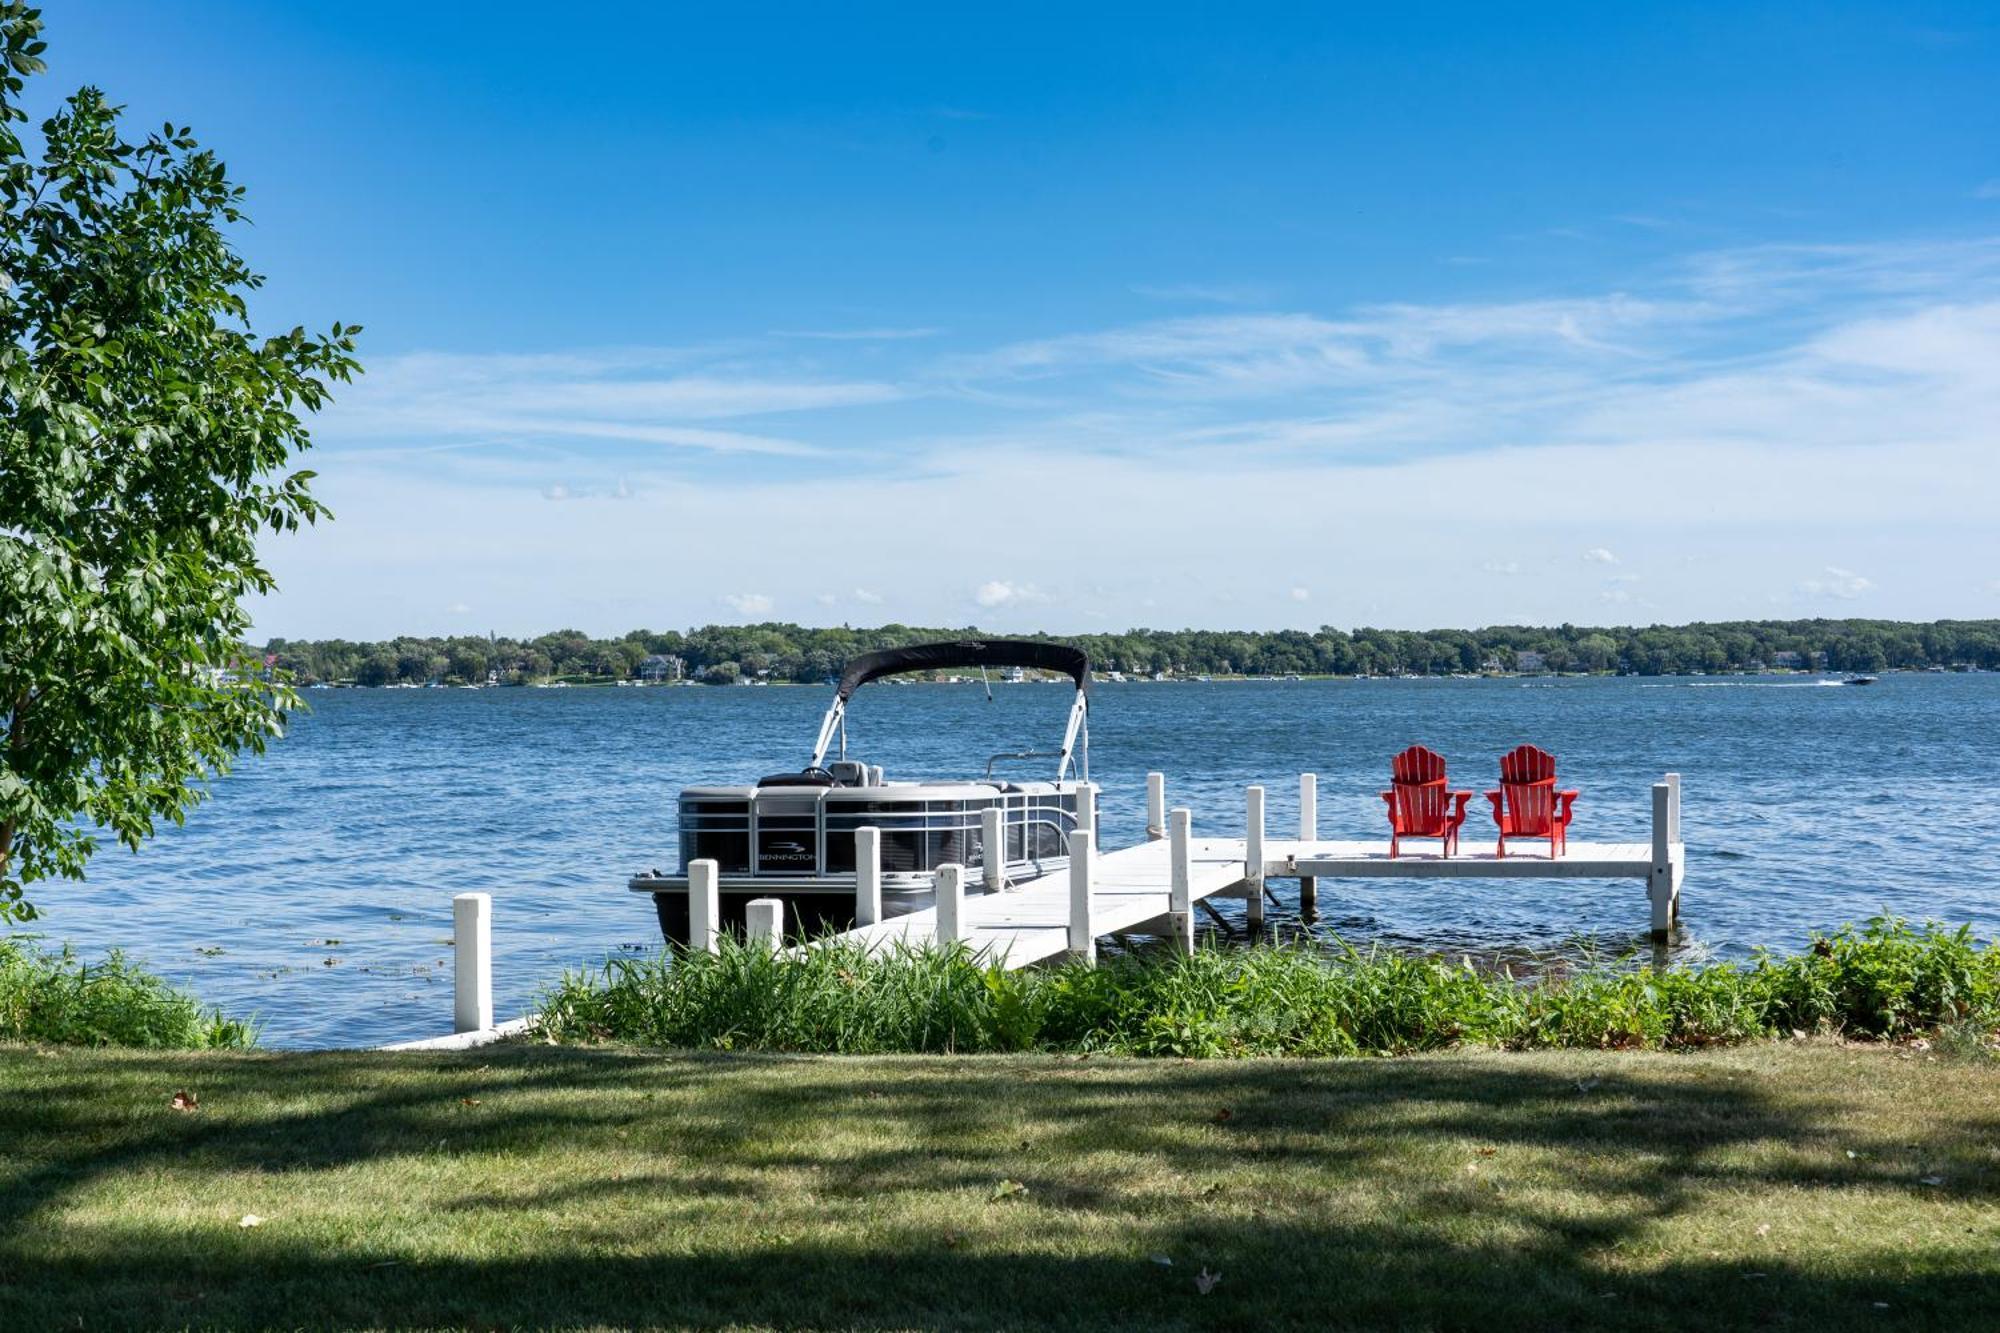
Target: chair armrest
{"x": 1459, "y": 798}
{"x": 1568, "y": 799}
{"x": 1390, "y": 797}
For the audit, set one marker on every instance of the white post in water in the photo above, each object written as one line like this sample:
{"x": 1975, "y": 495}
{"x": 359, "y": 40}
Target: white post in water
{"x": 950, "y": 903}
{"x": 764, "y": 922}
{"x": 472, "y": 980}
{"x": 1253, "y": 858}
{"x": 1674, "y": 808}
{"x": 1308, "y": 834}
{"x": 1156, "y": 806}
{"x": 704, "y": 906}
{"x": 1086, "y": 808}
{"x": 993, "y": 848}
{"x": 1660, "y": 878}
{"x": 867, "y": 876}
{"x": 1082, "y": 934}
{"x": 1180, "y": 894}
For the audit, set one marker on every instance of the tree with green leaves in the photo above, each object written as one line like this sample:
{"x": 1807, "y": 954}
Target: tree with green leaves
{"x": 146, "y": 435}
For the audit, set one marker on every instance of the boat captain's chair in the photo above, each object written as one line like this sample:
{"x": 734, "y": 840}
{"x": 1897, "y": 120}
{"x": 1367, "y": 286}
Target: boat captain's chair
{"x": 851, "y": 773}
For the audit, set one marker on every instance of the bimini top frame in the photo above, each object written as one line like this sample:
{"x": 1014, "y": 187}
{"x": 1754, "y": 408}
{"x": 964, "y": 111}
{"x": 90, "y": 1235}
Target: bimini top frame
{"x": 1072, "y": 662}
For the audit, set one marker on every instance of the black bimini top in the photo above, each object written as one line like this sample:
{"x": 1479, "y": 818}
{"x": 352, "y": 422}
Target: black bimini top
{"x": 965, "y": 652}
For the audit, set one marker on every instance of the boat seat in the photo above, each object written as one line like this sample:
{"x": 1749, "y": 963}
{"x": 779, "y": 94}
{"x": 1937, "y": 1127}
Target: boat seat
{"x": 848, "y": 773}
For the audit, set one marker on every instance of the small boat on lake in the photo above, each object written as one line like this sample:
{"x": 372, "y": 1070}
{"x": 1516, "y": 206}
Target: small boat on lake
{"x": 790, "y": 836}
{"x": 1859, "y": 680}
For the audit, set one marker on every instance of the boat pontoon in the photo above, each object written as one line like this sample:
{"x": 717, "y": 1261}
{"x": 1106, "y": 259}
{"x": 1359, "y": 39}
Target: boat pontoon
{"x": 791, "y": 835}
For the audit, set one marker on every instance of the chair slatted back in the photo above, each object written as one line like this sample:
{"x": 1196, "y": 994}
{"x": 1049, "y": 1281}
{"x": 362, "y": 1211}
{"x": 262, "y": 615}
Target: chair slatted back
{"x": 1421, "y": 800}
{"x": 1528, "y": 786}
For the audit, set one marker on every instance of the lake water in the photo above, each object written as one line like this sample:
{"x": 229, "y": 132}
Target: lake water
{"x": 1806, "y": 806}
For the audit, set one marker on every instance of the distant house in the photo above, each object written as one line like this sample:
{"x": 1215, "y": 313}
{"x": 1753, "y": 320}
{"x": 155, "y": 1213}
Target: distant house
{"x": 658, "y": 667}
{"x": 1529, "y": 662}
{"x": 1790, "y": 661}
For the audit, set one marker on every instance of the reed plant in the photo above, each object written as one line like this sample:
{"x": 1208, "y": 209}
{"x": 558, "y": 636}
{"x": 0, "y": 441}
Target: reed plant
{"x": 54, "y": 997}
{"x": 1885, "y": 979}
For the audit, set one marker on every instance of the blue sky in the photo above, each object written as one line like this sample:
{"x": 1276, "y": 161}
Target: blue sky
{"x": 1419, "y": 315}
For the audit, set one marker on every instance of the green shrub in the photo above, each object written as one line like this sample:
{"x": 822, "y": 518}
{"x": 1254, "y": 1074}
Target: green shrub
{"x": 1885, "y": 979}
{"x": 56, "y": 998}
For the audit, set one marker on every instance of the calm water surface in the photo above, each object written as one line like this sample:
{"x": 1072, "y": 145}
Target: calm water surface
{"x": 315, "y": 890}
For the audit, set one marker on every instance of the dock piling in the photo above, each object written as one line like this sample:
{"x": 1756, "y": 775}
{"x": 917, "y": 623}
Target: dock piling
{"x": 867, "y": 876}
{"x": 1156, "y": 806}
{"x": 1660, "y": 880}
{"x": 764, "y": 922}
{"x": 1082, "y": 872}
{"x": 1086, "y": 808}
{"x": 1253, "y": 859}
{"x": 950, "y": 903}
{"x": 1308, "y": 834}
{"x": 993, "y": 849}
{"x": 472, "y": 977}
{"x": 704, "y": 906}
{"x": 1180, "y": 882}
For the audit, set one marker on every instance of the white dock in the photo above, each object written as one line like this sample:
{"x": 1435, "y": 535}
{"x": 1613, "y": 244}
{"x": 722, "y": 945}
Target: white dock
{"x": 1152, "y": 888}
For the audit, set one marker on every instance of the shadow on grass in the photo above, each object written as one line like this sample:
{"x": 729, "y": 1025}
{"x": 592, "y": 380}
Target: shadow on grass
{"x": 1305, "y": 1184}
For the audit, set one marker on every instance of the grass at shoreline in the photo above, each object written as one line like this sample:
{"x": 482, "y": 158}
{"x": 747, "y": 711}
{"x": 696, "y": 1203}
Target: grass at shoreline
{"x": 1884, "y": 979}
{"x": 54, "y": 996}
{"x": 1795, "y": 1185}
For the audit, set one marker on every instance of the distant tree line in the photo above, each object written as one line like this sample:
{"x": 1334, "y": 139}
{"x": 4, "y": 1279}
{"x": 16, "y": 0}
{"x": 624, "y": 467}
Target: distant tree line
{"x": 722, "y": 654}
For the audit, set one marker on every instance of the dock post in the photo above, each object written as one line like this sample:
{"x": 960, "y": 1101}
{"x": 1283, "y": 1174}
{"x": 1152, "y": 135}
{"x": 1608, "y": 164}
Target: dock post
{"x": 472, "y": 977}
{"x": 1308, "y": 834}
{"x": 950, "y": 903}
{"x": 1180, "y": 893}
{"x": 1660, "y": 878}
{"x": 1156, "y": 806}
{"x": 1086, "y": 808}
{"x": 1082, "y": 933}
{"x": 1674, "y": 808}
{"x": 1253, "y": 858}
{"x": 993, "y": 849}
{"x": 764, "y": 922}
{"x": 867, "y": 876}
{"x": 704, "y": 906}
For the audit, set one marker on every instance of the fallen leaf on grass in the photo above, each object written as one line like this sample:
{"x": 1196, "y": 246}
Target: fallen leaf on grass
{"x": 250, "y": 1220}
{"x": 468, "y": 1101}
{"x": 1930, "y": 1180}
{"x": 1586, "y": 1084}
{"x": 1006, "y": 1189}
{"x": 185, "y": 1101}
{"x": 1222, "y": 1116}
{"x": 1162, "y": 1260}
{"x": 1488, "y": 1152}
{"x": 953, "y": 1239}
{"x": 1204, "y": 1281}
{"x": 1764, "y": 1229}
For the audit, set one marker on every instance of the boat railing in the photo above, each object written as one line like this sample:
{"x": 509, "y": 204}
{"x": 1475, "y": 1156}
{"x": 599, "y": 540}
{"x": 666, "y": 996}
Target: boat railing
{"x": 993, "y": 759}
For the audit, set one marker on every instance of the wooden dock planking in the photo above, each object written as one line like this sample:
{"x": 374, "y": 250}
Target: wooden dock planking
{"x": 1030, "y": 922}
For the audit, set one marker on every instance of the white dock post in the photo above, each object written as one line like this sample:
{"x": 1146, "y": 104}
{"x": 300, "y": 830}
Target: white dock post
{"x": 1674, "y": 808}
{"x": 993, "y": 848}
{"x": 950, "y": 903}
{"x": 472, "y": 978}
{"x": 1156, "y": 806}
{"x": 867, "y": 876}
{"x": 1082, "y": 873}
{"x": 1308, "y": 834}
{"x": 1180, "y": 899}
{"x": 1660, "y": 878}
{"x": 1253, "y": 858}
{"x": 704, "y": 906}
{"x": 1086, "y": 808}
{"x": 764, "y": 922}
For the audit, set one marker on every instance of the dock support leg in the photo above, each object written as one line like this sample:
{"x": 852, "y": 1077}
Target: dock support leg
{"x": 764, "y": 922}
{"x": 1660, "y": 877}
{"x": 704, "y": 906}
{"x": 1156, "y": 806}
{"x": 1253, "y": 860}
{"x": 867, "y": 876}
{"x": 993, "y": 849}
{"x": 950, "y": 903}
{"x": 1086, "y": 808}
{"x": 1676, "y": 848}
{"x": 1180, "y": 891}
{"x": 1308, "y": 834}
{"x": 472, "y": 975}
{"x": 1082, "y": 877}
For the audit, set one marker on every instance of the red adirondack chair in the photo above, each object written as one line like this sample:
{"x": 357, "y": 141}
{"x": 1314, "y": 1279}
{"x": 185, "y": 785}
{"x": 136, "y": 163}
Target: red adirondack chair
{"x": 1420, "y": 805}
{"x": 1528, "y": 804}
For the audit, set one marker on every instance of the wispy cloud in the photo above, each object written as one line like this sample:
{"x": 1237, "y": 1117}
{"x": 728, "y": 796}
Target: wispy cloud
{"x": 1214, "y": 293}
{"x": 870, "y": 335}
{"x": 1598, "y": 555}
{"x": 749, "y": 604}
{"x": 996, "y": 593}
{"x": 1987, "y": 190}
{"x": 1840, "y": 584}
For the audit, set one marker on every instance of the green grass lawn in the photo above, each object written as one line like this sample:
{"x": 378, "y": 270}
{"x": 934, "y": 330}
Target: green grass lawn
{"x": 1802, "y": 1185}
